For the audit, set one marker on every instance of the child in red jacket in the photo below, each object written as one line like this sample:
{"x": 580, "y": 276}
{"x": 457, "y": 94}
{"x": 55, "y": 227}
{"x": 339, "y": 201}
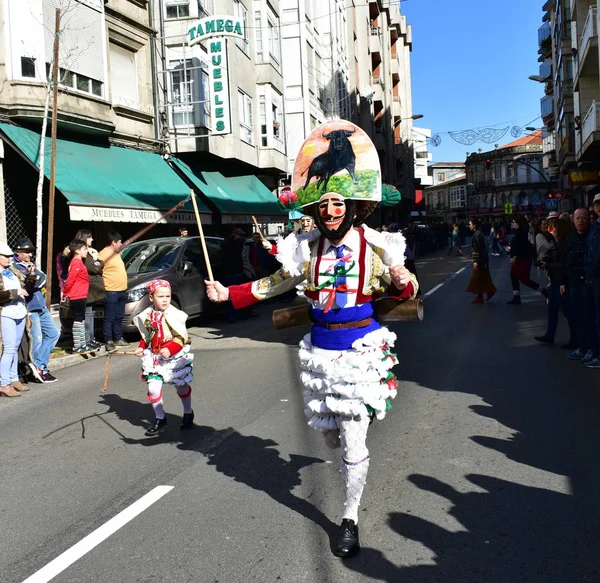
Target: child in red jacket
{"x": 76, "y": 290}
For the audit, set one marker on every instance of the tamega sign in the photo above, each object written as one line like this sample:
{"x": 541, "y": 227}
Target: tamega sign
{"x": 214, "y": 28}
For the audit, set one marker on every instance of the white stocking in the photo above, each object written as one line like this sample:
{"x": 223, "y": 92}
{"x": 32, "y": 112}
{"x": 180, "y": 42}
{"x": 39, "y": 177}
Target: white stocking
{"x": 185, "y": 394}
{"x": 155, "y": 397}
{"x": 355, "y": 462}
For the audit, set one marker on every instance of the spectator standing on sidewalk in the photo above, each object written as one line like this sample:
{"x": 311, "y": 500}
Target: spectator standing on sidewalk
{"x": 592, "y": 273}
{"x": 521, "y": 259}
{"x": 13, "y": 320}
{"x": 481, "y": 280}
{"x": 76, "y": 291}
{"x": 97, "y": 291}
{"x": 44, "y": 332}
{"x": 115, "y": 282}
{"x": 578, "y": 293}
{"x": 554, "y": 261}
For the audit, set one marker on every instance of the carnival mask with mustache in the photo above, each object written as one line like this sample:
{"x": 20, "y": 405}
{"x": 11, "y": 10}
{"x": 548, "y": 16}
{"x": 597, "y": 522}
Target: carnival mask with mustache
{"x": 334, "y": 215}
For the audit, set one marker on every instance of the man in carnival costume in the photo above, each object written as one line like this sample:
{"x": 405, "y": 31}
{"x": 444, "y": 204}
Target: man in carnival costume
{"x": 346, "y": 360}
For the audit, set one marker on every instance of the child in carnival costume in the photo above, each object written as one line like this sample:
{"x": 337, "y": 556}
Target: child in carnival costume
{"x": 346, "y": 359}
{"x": 166, "y": 354}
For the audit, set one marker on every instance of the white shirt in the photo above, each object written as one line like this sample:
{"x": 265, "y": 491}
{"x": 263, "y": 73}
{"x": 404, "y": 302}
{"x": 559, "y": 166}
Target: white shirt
{"x": 16, "y": 309}
{"x": 327, "y": 266}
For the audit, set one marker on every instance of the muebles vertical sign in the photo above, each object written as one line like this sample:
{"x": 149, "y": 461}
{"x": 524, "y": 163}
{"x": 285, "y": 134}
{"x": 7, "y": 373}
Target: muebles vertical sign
{"x": 213, "y": 32}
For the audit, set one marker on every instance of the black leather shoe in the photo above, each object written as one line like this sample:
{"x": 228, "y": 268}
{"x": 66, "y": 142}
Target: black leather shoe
{"x": 156, "y": 427}
{"x": 347, "y": 545}
{"x": 544, "y": 339}
{"x": 188, "y": 421}
{"x": 516, "y": 301}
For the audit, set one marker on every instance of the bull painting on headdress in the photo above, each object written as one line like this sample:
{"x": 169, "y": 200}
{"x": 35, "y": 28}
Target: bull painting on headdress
{"x": 340, "y": 156}
{"x": 337, "y": 157}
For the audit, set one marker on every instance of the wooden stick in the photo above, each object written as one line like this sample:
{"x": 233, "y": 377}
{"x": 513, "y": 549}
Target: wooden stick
{"x": 262, "y": 237}
{"x": 201, "y": 232}
{"x": 107, "y": 368}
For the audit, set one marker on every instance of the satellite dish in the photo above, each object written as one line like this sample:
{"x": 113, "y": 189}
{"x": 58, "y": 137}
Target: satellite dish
{"x": 366, "y": 92}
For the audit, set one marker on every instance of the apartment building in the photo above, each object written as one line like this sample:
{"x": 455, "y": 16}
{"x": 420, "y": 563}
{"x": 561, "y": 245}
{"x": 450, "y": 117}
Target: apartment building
{"x": 423, "y": 157}
{"x": 380, "y": 42}
{"x": 569, "y": 69}
{"x": 105, "y": 115}
{"x": 585, "y": 179}
{"x": 445, "y": 196}
{"x": 510, "y": 179}
{"x": 240, "y": 128}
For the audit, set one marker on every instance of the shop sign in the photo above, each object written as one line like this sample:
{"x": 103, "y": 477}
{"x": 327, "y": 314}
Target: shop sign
{"x": 127, "y": 215}
{"x": 216, "y": 28}
{"x": 247, "y": 219}
{"x": 579, "y": 177}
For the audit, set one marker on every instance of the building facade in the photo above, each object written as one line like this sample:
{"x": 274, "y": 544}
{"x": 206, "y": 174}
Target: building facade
{"x": 446, "y": 198}
{"x": 569, "y": 69}
{"x": 510, "y": 180}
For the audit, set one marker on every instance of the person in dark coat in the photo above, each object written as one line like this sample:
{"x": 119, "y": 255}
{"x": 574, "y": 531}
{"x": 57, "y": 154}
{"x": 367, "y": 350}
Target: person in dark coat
{"x": 555, "y": 263}
{"x": 521, "y": 259}
{"x": 481, "y": 280}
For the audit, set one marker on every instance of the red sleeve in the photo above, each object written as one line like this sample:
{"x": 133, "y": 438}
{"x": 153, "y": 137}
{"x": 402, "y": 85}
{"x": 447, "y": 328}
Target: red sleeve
{"x": 405, "y": 294}
{"x": 70, "y": 281}
{"x": 173, "y": 347}
{"x": 273, "y": 250}
{"x": 142, "y": 344}
{"x": 241, "y": 296}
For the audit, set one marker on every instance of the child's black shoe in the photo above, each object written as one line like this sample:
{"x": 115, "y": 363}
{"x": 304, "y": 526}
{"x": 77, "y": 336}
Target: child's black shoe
{"x": 188, "y": 421}
{"x": 156, "y": 427}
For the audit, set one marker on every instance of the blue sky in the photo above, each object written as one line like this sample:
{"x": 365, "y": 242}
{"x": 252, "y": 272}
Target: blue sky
{"x": 470, "y": 65}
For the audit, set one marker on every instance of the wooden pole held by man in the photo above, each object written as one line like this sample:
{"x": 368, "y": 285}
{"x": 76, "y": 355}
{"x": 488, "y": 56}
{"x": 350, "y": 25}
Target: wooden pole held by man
{"x": 201, "y": 233}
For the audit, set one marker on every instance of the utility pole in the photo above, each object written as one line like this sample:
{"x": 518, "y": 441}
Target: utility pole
{"x": 49, "y": 252}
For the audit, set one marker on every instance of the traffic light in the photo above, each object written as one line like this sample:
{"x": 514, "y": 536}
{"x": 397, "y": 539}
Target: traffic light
{"x": 488, "y": 163}
{"x": 550, "y": 195}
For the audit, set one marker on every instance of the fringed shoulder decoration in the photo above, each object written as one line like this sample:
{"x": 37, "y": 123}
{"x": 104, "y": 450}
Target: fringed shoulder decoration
{"x": 392, "y": 245}
{"x": 293, "y": 252}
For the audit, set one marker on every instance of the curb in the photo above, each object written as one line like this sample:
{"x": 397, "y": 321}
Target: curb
{"x": 68, "y": 360}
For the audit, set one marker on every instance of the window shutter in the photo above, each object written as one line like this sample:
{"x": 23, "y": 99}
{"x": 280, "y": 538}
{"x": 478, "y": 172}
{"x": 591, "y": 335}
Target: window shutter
{"x": 123, "y": 75}
{"x": 80, "y": 48}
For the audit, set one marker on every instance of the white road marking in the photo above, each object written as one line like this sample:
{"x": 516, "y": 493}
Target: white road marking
{"x": 93, "y": 539}
{"x": 439, "y": 285}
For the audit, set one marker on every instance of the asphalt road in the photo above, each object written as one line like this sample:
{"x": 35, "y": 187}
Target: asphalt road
{"x": 486, "y": 469}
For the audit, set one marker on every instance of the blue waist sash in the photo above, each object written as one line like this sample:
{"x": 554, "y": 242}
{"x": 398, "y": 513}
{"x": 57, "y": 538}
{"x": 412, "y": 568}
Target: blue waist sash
{"x": 342, "y": 339}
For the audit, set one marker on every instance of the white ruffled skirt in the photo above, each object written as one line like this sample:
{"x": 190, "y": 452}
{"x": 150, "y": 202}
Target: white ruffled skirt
{"x": 176, "y": 370}
{"x": 348, "y": 383}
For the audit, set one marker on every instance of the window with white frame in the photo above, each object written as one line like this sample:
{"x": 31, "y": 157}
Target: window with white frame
{"x": 274, "y": 42}
{"x": 205, "y": 8}
{"x": 458, "y": 197}
{"x": 78, "y": 81}
{"x": 177, "y": 9}
{"x": 271, "y": 118}
{"x": 28, "y": 67}
{"x": 260, "y": 57}
{"x": 240, "y": 11}
{"x": 245, "y": 111}
{"x": 181, "y": 94}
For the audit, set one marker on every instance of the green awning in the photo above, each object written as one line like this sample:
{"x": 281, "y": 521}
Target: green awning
{"x": 109, "y": 183}
{"x": 238, "y": 197}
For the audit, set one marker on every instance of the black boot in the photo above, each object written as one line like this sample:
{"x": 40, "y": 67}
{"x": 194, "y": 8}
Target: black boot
{"x": 156, "y": 427}
{"x": 348, "y": 544}
{"x": 516, "y": 301}
{"x": 187, "y": 421}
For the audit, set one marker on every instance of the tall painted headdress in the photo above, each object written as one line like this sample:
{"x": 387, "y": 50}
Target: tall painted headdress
{"x": 339, "y": 157}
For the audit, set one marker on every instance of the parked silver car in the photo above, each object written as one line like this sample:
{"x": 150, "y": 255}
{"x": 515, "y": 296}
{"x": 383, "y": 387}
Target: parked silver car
{"x": 178, "y": 260}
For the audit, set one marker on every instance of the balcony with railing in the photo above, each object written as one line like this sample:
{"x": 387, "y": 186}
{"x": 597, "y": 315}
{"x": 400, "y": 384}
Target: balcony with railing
{"x": 588, "y": 44}
{"x": 544, "y": 32}
{"x": 546, "y": 69}
{"x": 375, "y": 40}
{"x": 590, "y": 131}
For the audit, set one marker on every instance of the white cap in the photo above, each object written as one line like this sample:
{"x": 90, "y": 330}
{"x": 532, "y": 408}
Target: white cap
{"x": 596, "y": 199}
{"x": 553, "y": 215}
{"x": 5, "y": 250}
